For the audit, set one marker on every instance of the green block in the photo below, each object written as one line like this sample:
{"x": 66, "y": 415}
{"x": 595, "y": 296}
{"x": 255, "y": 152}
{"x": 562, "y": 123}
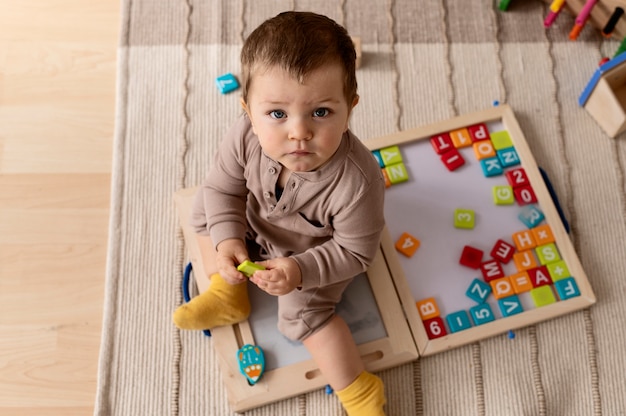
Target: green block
{"x": 548, "y": 253}
{"x": 464, "y": 218}
{"x": 501, "y": 140}
{"x": 503, "y": 195}
{"x": 248, "y": 268}
{"x": 558, "y": 271}
{"x": 542, "y": 295}
{"x": 397, "y": 173}
{"x": 391, "y": 155}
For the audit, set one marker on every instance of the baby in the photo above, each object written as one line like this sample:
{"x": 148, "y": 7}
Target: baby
{"x": 293, "y": 186}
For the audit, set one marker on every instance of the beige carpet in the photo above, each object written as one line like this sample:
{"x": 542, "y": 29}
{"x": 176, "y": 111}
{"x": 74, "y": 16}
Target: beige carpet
{"x": 423, "y": 61}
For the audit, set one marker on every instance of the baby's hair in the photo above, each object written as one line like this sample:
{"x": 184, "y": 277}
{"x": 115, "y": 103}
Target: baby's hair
{"x": 299, "y": 42}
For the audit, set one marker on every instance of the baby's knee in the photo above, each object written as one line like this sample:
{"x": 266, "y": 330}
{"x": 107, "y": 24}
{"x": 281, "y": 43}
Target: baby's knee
{"x": 299, "y": 326}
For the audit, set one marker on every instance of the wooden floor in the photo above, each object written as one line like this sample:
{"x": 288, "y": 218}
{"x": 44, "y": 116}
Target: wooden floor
{"x": 57, "y": 95}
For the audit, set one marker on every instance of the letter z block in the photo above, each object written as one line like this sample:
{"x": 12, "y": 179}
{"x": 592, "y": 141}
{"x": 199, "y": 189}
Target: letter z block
{"x": 397, "y": 173}
{"x": 478, "y": 291}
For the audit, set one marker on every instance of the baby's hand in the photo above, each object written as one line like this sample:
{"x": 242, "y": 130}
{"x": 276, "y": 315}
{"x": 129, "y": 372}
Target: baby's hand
{"x": 231, "y": 253}
{"x": 281, "y": 276}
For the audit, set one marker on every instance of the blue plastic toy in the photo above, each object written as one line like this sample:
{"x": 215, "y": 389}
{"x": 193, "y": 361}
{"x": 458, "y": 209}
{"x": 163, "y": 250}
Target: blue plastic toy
{"x": 251, "y": 362}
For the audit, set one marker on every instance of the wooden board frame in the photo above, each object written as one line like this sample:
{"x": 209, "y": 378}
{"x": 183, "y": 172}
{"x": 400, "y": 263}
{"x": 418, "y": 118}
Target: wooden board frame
{"x": 425, "y": 346}
{"x": 397, "y": 348}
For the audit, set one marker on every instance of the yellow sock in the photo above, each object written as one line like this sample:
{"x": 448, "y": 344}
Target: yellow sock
{"x": 364, "y": 397}
{"x": 221, "y": 304}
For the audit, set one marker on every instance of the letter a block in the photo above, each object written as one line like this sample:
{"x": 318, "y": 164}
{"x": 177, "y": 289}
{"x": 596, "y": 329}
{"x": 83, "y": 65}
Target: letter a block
{"x": 407, "y": 244}
{"x": 427, "y": 309}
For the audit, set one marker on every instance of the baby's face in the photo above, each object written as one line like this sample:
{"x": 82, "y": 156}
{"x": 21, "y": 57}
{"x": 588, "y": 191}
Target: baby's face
{"x": 300, "y": 125}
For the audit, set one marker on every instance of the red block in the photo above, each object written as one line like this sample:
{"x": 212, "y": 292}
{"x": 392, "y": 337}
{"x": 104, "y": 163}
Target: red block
{"x": 435, "y": 328}
{"x": 502, "y": 251}
{"x": 491, "y": 270}
{"x": 478, "y": 132}
{"x": 517, "y": 177}
{"x": 539, "y": 276}
{"x": 471, "y": 257}
{"x": 452, "y": 159}
{"x": 442, "y": 143}
{"x": 525, "y": 195}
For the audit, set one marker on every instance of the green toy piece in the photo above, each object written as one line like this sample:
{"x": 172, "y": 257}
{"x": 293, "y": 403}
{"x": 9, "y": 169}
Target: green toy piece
{"x": 248, "y": 268}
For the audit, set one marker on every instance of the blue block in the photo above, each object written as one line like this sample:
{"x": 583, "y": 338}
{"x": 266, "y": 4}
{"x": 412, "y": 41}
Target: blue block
{"x": 510, "y": 305}
{"x": 227, "y": 83}
{"x": 508, "y": 157}
{"x": 491, "y": 167}
{"x": 481, "y": 314}
{"x": 458, "y": 321}
{"x": 379, "y": 158}
{"x": 478, "y": 291}
{"x": 567, "y": 288}
{"x": 531, "y": 216}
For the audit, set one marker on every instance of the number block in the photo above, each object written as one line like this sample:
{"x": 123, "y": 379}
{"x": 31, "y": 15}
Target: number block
{"x": 539, "y": 276}
{"x": 543, "y": 234}
{"x": 530, "y": 215}
{"x": 502, "y": 251}
{"x": 524, "y": 260}
{"x": 501, "y": 140}
{"x": 510, "y": 306}
{"x": 464, "y": 218}
{"x": 435, "y": 328}
{"x": 407, "y": 244}
{"x": 558, "y": 271}
{"x": 491, "y": 270}
{"x": 478, "y": 132}
{"x": 481, "y": 314}
{"x": 397, "y": 173}
{"x": 548, "y": 253}
{"x": 521, "y": 282}
{"x": 503, "y": 195}
{"x": 524, "y": 195}
{"x": 390, "y": 155}
{"x": 478, "y": 291}
{"x": 491, "y": 167}
{"x": 517, "y": 177}
{"x": 427, "y": 308}
{"x": 471, "y": 257}
{"x": 226, "y": 83}
{"x": 452, "y": 159}
{"x": 441, "y": 143}
{"x": 483, "y": 150}
{"x": 542, "y": 296}
{"x": 502, "y": 288}
{"x": 461, "y": 138}
{"x": 458, "y": 321}
{"x": 567, "y": 288}
{"x": 508, "y": 157}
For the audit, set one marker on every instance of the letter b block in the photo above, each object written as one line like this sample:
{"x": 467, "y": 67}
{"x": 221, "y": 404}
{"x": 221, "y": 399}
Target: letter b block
{"x": 427, "y": 309}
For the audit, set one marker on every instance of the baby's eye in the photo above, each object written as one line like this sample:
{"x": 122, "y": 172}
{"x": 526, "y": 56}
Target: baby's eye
{"x": 321, "y": 112}
{"x": 277, "y": 114}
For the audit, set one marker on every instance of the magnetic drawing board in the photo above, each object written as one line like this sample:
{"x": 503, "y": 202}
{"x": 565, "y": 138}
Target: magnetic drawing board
{"x": 449, "y": 304}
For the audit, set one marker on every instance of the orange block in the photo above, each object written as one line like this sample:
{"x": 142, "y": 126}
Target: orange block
{"x": 407, "y": 244}
{"x": 524, "y": 240}
{"x": 524, "y": 260}
{"x": 460, "y": 138}
{"x": 386, "y": 176}
{"x": 427, "y": 309}
{"x": 521, "y": 282}
{"x": 502, "y": 288}
{"x": 543, "y": 234}
{"x": 484, "y": 149}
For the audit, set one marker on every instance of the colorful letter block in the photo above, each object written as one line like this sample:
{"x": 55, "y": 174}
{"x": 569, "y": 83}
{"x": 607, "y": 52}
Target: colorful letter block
{"x": 441, "y": 143}
{"x": 517, "y": 177}
{"x": 464, "y": 218}
{"x": 567, "y": 288}
{"x": 379, "y": 158}
{"x": 503, "y": 195}
{"x": 491, "y": 167}
{"x": 471, "y": 257}
{"x": 427, "y": 308}
{"x": 452, "y": 159}
{"x": 543, "y": 234}
{"x": 501, "y": 140}
{"x": 390, "y": 155}
{"x": 478, "y": 291}
{"x": 478, "y": 132}
{"x": 435, "y": 328}
{"x": 483, "y": 150}
{"x": 558, "y": 271}
{"x": 530, "y": 215}
{"x": 226, "y": 83}
{"x": 491, "y": 270}
{"x": 524, "y": 260}
{"x": 407, "y": 244}
{"x": 460, "y": 138}
{"x": 458, "y": 321}
{"x": 539, "y": 276}
{"x": 524, "y": 240}
{"x": 542, "y": 296}
{"x": 397, "y": 173}
{"x": 524, "y": 195}
{"x": 502, "y": 288}
{"x": 508, "y": 157}
{"x": 481, "y": 314}
{"x": 248, "y": 268}
{"x": 548, "y": 253}
{"x": 510, "y": 306}
{"x": 502, "y": 251}
{"x": 521, "y": 282}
